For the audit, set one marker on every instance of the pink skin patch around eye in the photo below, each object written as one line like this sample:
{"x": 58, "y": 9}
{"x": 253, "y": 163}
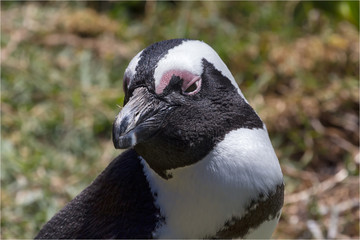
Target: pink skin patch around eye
{"x": 188, "y": 77}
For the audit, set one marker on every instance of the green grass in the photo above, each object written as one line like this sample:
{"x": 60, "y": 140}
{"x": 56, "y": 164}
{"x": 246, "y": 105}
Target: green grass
{"x": 61, "y": 82}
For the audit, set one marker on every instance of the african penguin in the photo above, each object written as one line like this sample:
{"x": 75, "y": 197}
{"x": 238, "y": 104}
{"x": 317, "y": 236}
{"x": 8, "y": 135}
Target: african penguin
{"x": 199, "y": 163}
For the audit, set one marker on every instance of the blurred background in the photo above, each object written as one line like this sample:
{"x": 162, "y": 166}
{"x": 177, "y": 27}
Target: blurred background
{"x": 62, "y": 65}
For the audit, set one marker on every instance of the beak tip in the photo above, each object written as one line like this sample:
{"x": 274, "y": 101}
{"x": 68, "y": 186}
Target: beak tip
{"x": 116, "y": 145}
{"x": 126, "y": 141}
{"x": 114, "y": 135}
{"x": 119, "y": 128}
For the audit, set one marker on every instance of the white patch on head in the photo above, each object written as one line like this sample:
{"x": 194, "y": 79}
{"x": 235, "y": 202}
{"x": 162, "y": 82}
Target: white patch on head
{"x": 199, "y": 199}
{"x": 265, "y": 230}
{"x": 188, "y": 57}
{"x": 130, "y": 70}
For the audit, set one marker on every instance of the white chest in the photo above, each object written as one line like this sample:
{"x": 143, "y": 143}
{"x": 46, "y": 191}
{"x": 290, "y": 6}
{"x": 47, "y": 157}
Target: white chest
{"x": 199, "y": 199}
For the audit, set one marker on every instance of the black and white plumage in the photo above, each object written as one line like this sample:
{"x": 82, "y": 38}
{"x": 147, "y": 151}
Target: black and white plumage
{"x": 200, "y": 163}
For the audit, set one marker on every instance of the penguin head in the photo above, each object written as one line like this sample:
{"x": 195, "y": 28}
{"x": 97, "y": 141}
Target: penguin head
{"x": 180, "y": 101}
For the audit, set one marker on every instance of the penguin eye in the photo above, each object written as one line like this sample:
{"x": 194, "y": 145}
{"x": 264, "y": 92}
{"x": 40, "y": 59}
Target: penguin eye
{"x": 191, "y": 86}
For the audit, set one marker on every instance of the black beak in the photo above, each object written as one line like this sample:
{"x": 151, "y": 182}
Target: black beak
{"x": 140, "y": 119}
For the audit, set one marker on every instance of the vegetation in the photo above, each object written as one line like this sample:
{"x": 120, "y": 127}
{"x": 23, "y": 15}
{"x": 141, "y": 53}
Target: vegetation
{"x": 61, "y": 73}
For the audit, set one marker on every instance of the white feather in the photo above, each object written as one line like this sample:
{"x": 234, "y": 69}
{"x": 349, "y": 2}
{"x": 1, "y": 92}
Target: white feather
{"x": 131, "y": 69}
{"x": 200, "y": 198}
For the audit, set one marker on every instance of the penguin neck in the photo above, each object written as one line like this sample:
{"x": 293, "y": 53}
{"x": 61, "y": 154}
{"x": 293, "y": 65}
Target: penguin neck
{"x": 237, "y": 171}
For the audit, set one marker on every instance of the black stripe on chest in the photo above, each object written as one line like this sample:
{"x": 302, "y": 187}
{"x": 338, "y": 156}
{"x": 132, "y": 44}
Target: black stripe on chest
{"x": 264, "y": 211}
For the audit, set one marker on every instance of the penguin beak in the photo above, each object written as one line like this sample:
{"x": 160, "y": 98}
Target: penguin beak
{"x": 139, "y": 120}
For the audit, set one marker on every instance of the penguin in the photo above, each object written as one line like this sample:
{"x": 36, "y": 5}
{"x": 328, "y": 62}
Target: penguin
{"x": 198, "y": 161}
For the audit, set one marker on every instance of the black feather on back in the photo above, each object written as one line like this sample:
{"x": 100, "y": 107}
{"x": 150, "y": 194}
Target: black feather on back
{"x": 118, "y": 204}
